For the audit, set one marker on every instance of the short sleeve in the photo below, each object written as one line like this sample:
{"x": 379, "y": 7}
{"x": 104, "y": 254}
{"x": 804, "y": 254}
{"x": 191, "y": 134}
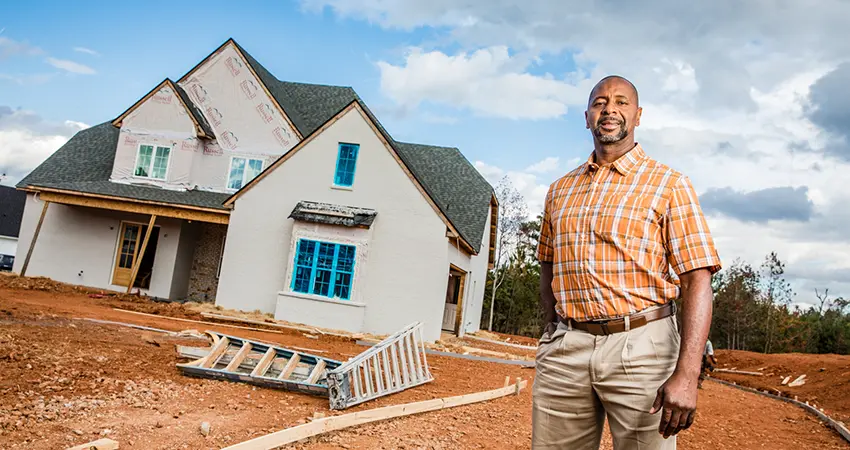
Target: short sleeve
{"x": 688, "y": 240}
{"x": 545, "y": 248}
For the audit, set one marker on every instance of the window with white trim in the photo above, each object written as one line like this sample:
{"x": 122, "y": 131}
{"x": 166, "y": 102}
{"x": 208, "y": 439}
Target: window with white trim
{"x": 243, "y": 170}
{"x": 323, "y": 268}
{"x": 152, "y": 162}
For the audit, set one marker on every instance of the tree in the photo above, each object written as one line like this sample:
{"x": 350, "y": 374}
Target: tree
{"x": 512, "y": 212}
{"x": 776, "y": 292}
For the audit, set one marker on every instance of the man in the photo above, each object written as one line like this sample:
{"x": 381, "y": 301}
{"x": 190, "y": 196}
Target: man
{"x": 612, "y": 229}
{"x": 707, "y": 354}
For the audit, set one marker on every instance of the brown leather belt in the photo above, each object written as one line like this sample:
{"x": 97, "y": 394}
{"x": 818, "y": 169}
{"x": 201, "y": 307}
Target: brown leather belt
{"x": 618, "y": 325}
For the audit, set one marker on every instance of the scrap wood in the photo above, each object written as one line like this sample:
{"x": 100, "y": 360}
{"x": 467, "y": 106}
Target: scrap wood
{"x": 275, "y": 324}
{"x": 516, "y": 362}
{"x": 508, "y": 344}
{"x": 739, "y": 372}
{"x": 801, "y": 380}
{"x": 185, "y": 333}
{"x": 198, "y": 321}
{"x": 320, "y": 426}
{"x": 786, "y": 380}
{"x": 100, "y": 444}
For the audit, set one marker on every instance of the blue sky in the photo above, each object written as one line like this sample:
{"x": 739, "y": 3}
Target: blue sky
{"x": 294, "y": 44}
{"x": 753, "y": 113}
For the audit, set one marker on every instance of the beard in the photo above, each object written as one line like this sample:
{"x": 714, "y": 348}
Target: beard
{"x": 610, "y": 138}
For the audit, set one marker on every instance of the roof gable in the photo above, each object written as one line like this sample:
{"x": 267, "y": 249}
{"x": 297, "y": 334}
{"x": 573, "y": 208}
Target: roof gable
{"x": 202, "y": 128}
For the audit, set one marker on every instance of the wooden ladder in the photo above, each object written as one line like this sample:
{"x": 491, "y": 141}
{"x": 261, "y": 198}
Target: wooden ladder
{"x": 394, "y": 364}
{"x": 239, "y": 359}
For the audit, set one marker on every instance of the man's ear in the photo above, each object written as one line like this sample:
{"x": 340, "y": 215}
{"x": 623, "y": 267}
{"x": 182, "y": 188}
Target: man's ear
{"x": 587, "y": 121}
{"x": 637, "y": 117}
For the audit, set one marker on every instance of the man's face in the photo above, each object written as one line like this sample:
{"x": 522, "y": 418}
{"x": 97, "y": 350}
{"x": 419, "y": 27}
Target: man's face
{"x": 612, "y": 111}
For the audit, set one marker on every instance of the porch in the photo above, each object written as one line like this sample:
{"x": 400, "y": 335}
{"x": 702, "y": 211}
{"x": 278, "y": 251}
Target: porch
{"x": 162, "y": 251}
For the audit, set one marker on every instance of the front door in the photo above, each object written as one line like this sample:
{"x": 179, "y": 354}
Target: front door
{"x": 454, "y": 300}
{"x": 129, "y": 246}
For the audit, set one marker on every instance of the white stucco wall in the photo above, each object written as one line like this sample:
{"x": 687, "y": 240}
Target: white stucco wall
{"x": 479, "y": 265}
{"x": 403, "y": 278}
{"x": 8, "y": 245}
{"x": 183, "y": 260}
{"x": 78, "y": 245}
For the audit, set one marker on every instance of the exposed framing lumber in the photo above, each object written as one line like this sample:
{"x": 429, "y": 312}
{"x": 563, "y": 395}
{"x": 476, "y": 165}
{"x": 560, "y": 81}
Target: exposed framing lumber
{"x": 137, "y": 263}
{"x": 327, "y": 424}
{"x": 132, "y": 205}
{"x": 100, "y": 444}
{"x": 34, "y": 238}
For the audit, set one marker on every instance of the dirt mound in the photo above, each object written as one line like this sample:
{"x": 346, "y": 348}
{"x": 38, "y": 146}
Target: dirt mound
{"x": 827, "y": 377}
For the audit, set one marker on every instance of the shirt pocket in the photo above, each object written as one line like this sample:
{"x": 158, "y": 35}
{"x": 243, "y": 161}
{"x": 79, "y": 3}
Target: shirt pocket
{"x": 631, "y": 226}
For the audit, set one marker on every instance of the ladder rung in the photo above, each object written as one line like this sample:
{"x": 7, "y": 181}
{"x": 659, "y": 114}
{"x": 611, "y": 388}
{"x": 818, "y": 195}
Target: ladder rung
{"x": 240, "y": 356}
{"x": 289, "y": 367}
{"x": 317, "y": 372}
{"x": 216, "y": 353}
{"x": 265, "y": 362}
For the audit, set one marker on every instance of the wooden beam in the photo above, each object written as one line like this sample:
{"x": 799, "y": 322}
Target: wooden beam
{"x": 240, "y": 356}
{"x": 137, "y": 262}
{"x": 265, "y": 362}
{"x": 334, "y": 423}
{"x": 34, "y": 238}
{"x": 134, "y": 206}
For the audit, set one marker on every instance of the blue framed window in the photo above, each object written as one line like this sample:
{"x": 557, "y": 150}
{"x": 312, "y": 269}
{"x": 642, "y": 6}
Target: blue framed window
{"x": 323, "y": 268}
{"x": 346, "y": 161}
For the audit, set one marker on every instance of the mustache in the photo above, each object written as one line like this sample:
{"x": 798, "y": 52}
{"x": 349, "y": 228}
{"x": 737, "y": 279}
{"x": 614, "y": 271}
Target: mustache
{"x": 608, "y": 119}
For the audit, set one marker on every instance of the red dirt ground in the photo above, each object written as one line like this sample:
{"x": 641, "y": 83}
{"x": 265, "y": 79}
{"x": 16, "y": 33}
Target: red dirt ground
{"x": 65, "y": 381}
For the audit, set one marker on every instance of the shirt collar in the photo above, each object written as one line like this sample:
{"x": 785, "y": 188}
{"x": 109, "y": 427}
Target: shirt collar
{"x": 625, "y": 164}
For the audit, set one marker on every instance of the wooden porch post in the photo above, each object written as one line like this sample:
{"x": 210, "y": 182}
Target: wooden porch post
{"x": 34, "y": 237}
{"x": 138, "y": 261}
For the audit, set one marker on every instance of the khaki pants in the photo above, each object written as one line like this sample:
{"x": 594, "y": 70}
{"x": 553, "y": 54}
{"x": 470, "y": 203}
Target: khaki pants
{"x": 582, "y": 377}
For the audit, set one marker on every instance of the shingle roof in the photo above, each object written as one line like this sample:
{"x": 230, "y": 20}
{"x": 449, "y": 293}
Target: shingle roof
{"x": 11, "y": 210}
{"x": 84, "y": 164}
{"x": 454, "y": 184}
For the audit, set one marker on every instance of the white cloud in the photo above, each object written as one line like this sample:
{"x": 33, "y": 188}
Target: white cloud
{"x": 550, "y": 164}
{"x": 86, "y": 50}
{"x": 10, "y": 47}
{"x": 489, "y": 82}
{"x": 70, "y": 66}
{"x": 26, "y": 140}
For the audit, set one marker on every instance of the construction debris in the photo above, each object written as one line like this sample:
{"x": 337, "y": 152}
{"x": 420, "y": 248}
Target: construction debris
{"x": 799, "y": 381}
{"x": 740, "y": 372}
{"x": 786, "y": 380}
{"x": 393, "y": 365}
{"x": 100, "y": 444}
{"x": 334, "y": 423}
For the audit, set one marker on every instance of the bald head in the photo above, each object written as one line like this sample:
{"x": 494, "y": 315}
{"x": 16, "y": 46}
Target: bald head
{"x": 614, "y": 79}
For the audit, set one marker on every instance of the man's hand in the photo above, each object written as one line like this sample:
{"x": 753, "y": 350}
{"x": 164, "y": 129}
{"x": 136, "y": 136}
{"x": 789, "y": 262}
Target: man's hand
{"x": 677, "y": 401}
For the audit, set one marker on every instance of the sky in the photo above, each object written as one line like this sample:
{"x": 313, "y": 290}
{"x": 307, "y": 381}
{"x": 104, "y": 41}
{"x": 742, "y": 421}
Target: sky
{"x": 747, "y": 99}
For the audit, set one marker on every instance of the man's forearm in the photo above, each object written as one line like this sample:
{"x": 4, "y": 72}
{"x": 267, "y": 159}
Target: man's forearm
{"x": 547, "y": 297}
{"x": 696, "y": 320}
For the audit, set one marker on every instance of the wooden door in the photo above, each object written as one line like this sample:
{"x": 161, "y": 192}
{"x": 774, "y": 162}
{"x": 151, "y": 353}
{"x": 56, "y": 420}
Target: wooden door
{"x": 129, "y": 242}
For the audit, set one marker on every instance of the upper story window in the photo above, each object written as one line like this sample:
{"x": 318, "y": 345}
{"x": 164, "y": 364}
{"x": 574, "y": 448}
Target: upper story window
{"x": 243, "y": 170}
{"x": 346, "y": 162}
{"x": 152, "y": 162}
{"x": 323, "y": 268}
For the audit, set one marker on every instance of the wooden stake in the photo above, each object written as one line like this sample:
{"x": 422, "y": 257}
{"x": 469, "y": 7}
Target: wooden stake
{"x": 34, "y": 237}
{"x": 138, "y": 262}
{"x": 334, "y": 423}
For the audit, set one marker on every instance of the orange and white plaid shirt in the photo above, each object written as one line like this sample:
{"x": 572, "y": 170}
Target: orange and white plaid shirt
{"x": 612, "y": 233}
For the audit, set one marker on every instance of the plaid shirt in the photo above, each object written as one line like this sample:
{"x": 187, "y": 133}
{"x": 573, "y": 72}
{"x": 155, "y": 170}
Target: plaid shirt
{"x": 613, "y": 232}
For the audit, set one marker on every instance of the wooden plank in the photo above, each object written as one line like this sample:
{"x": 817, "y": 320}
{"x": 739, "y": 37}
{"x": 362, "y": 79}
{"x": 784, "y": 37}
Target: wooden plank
{"x": 34, "y": 238}
{"x": 100, "y": 444}
{"x": 265, "y": 363}
{"x": 199, "y": 321}
{"x": 137, "y": 260}
{"x": 240, "y": 356}
{"x": 289, "y": 367}
{"x": 515, "y": 362}
{"x": 739, "y": 372}
{"x": 215, "y": 353}
{"x": 317, "y": 372}
{"x": 133, "y": 206}
{"x": 333, "y": 423}
{"x": 272, "y": 324}
{"x": 507, "y": 344}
